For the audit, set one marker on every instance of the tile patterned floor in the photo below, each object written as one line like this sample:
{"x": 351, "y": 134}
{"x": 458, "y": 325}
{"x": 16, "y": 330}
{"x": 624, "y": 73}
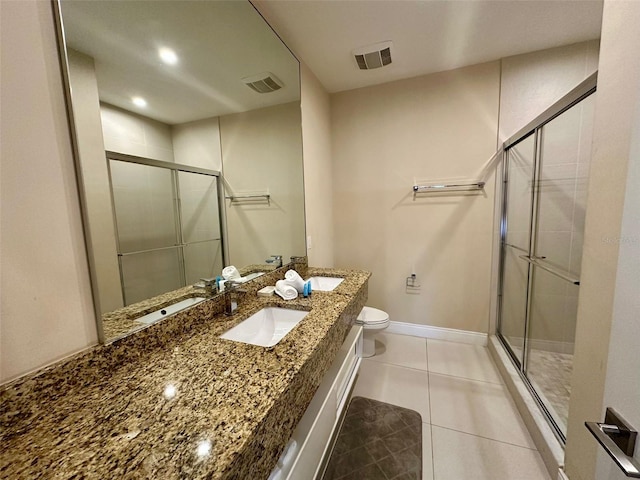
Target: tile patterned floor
{"x": 550, "y": 372}
{"x": 377, "y": 441}
{"x": 471, "y": 428}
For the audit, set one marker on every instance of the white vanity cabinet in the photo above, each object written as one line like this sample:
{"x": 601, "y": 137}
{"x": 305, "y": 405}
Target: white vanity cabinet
{"x": 304, "y": 455}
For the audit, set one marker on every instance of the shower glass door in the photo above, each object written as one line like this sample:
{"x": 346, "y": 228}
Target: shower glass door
{"x": 545, "y": 179}
{"x": 201, "y": 234}
{"x": 565, "y": 150}
{"x": 147, "y": 228}
{"x": 520, "y": 161}
{"x": 168, "y": 225}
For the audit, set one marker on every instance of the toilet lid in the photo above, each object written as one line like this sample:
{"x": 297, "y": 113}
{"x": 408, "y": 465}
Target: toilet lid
{"x": 372, "y": 316}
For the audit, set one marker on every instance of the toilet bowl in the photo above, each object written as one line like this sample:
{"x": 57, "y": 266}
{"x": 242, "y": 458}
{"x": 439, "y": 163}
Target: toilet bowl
{"x": 373, "y": 321}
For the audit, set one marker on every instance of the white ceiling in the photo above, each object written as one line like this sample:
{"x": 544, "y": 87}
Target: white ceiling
{"x": 428, "y": 35}
{"x": 217, "y": 42}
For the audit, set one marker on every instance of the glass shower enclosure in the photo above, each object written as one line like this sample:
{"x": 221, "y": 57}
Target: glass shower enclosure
{"x": 545, "y": 182}
{"x": 168, "y": 223}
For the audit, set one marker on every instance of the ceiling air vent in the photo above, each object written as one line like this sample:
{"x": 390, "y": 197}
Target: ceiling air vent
{"x": 263, "y": 82}
{"x": 373, "y": 56}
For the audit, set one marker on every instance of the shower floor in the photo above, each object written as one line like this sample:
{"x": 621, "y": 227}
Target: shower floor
{"x": 550, "y": 374}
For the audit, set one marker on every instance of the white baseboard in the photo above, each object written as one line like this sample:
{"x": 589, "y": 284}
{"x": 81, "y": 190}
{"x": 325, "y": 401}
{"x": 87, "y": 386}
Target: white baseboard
{"x": 437, "y": 333}
{"x": 562, "y": 475}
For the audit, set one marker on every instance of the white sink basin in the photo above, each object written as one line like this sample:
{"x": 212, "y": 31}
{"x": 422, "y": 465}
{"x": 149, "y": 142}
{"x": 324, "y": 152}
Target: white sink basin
{"x": 170, "y": 310}
{"x": 324, "y": 284}
{"x": 266, "y": 327}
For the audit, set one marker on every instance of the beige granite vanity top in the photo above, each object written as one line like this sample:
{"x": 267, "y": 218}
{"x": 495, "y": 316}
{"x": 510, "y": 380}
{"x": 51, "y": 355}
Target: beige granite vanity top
{"x": 109, "y": 413}
{"x": 122, "y": 321}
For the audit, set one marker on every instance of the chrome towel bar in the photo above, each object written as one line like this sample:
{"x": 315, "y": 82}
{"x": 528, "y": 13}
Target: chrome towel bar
{"x": 249, "y": 198}
{"x": 447, "y": 187}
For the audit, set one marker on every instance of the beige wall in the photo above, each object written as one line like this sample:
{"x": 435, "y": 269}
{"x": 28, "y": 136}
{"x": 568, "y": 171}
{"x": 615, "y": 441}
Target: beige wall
{"x": 318, "y": 170}
{"x": 198, "y": 143}
{"x": 614, "y": 144}
{"x": 387, "y": 137}
{"x": 132, "y": 134}
{"x": 622, "y": 386}
{"x": 261, "y": 151}
{"x": 534, "y": 81}
{"x": 95, "y": 179}
{"x": 46, "y": 310}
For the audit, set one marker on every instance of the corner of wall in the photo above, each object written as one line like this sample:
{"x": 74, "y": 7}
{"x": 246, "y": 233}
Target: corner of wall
{"x": 318, "y": 169}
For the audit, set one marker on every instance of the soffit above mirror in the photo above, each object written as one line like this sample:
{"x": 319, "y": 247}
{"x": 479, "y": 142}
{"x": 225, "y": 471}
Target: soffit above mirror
{"x": 124, "y": 39}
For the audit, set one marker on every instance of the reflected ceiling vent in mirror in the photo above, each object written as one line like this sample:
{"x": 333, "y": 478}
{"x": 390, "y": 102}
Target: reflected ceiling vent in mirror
{"x": 373, "y": 56}
{"x": 263, "y": 82}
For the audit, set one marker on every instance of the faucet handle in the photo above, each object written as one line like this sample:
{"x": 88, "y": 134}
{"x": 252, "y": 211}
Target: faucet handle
{"x": 233, "y": 286}
{"x": 209, "y": 284}
{"x": 276, "y": 259}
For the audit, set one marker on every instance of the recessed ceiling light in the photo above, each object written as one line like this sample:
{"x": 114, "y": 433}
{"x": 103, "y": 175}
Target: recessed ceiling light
{"x": 139, "y": 101}
{"x": 168, "y": 56}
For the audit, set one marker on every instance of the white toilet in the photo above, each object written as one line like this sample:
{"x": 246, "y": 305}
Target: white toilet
{"x": 373, "y": 321}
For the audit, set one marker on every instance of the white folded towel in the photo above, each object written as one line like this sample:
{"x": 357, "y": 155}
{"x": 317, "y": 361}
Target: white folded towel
{"x": 285, "y": 290}
{"x": 230, "y": 273}
{"x": 295, "y": 280}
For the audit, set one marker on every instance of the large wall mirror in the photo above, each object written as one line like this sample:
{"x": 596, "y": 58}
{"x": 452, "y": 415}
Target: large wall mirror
{"x": 187, "y": 131}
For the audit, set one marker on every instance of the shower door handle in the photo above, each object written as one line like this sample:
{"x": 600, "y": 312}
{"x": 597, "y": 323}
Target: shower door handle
{"x": 539, "y": 262}
{"x": 618, "y": 439}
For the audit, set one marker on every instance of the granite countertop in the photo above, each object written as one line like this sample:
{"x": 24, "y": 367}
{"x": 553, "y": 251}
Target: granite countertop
{"x": 174, "y": 400}
{"x": 122, "y": 321}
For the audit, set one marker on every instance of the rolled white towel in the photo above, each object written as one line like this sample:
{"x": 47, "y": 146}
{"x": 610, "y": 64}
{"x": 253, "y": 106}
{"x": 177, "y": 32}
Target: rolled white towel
{"x": 285, "y": 290}
{"x": 295, "y": 280}
{"x": 230, "y": 273}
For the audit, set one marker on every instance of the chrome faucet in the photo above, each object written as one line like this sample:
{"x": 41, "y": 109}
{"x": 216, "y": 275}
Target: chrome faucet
{"x": 276, "y": 260}
{"x": 209, "y": 285}
{"x": 231, "y": 296}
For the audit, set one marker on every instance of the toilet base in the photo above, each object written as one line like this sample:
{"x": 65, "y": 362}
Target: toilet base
{"x": 368, "y": 344}
{"x": 369, "y": 340}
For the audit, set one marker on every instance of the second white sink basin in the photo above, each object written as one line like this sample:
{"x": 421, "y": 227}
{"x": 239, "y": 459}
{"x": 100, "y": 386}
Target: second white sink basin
{"x": 266, "y": 327}
{"x": 324, "y": 284}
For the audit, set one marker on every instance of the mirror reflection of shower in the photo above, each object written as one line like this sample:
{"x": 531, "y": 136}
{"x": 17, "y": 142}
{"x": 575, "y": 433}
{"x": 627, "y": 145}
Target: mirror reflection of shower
{"x": 187, "y": 106}
{"x": 168, "y": 226}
